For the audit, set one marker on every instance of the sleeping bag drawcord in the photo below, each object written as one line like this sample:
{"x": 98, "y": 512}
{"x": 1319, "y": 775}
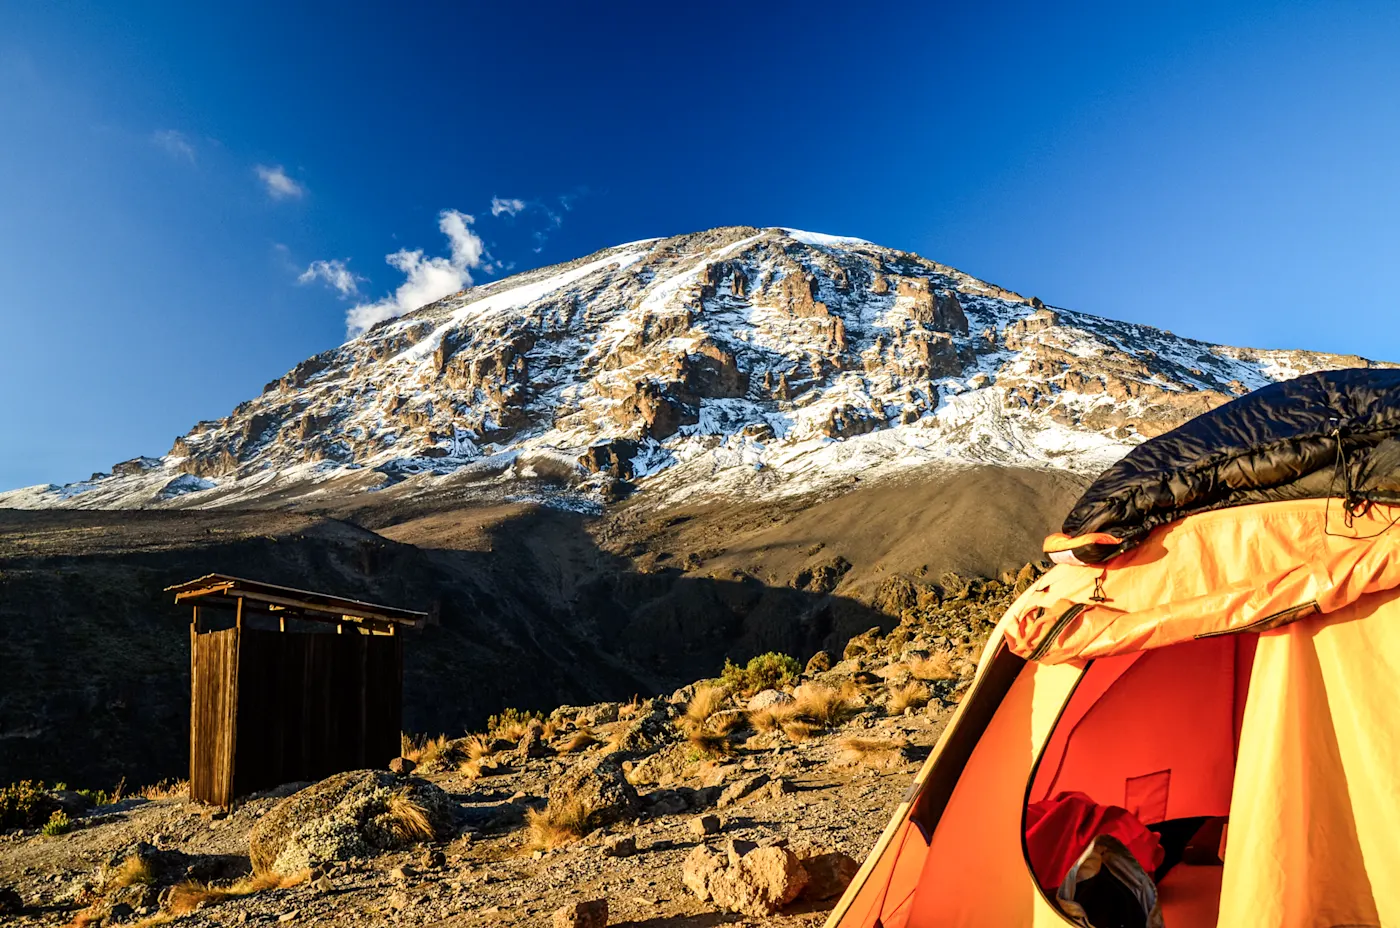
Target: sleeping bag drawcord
{"x": 1099, "y": 595}
{"x": 1353, "y": 503}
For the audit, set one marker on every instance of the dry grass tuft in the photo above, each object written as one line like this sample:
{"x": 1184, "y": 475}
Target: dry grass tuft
{"x": 771, "y": 719}
{"x": 706, "y": 702}
{"x": 628, "y": 710}
{"x": 512, "y": 731}
{"x": 135, "y": 869}
{"x": 511, "y": 724}
{"x": 871, "y": 751}
{"x": 186, "y": 897}
{"x": 727, "y": 723}
{"x": 90, "y": 917}
{"x": 481, "y": 767}
{"x": 912, "y": 695}
{"x": 708, "y": 743}
{"x": 549, "y": 729}
{"x": 558, "y": 824}
{"x": 579, "y": 740}
{"x": 825, "y": 705}
{"x": 800, "y": 729}
{"x": 165, "y": 789}
{"x": 430, "y": 753}
{"x": 408, "y": 819}
{"x": 935, "y": 667}
{"x": 475, "y": 747}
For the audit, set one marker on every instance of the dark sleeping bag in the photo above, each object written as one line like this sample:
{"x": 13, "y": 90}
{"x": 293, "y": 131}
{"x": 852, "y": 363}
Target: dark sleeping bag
{"x": 1329, "y": 434}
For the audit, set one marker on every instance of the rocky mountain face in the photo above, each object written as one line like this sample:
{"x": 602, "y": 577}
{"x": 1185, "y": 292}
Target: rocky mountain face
{"x": 737, "y": 361}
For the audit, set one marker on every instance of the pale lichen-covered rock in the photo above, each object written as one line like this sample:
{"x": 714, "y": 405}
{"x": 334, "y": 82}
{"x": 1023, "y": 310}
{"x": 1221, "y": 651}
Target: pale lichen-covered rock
{"x": 650, "y": 729}
{"x": 753, "y": 880}
{"x": 600, "y": 784}
{"x": 767, "y": 699}
{"x": 663, "y": 768}
{"x": 344, "y": 816}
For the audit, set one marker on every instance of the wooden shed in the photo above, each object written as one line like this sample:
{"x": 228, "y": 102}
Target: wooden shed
{"x": 288, "y": 684}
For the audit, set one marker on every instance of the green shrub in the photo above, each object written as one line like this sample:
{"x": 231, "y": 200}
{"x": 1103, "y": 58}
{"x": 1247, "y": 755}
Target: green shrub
{"x": 58, "y": 823}
{"x": 766, "y": 671}
{"x": 98, "y": 797}
{"x": 25, "y": 804}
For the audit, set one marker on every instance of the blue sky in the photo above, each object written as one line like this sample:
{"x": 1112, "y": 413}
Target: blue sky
{"x": 170, "y": 172}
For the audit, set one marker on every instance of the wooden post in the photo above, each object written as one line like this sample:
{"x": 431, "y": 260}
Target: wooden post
{"x": 194, "y": 688}
{"x": 238, "y": 618}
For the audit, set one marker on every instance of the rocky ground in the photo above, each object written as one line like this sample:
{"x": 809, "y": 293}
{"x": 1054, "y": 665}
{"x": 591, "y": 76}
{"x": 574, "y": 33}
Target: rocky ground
{"x": 635, "y": 600}
{"x": 745, "y": 800}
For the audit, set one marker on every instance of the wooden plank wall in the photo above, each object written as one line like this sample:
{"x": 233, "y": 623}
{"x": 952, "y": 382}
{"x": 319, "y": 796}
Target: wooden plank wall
{"x": 213, "y": 700}
{"x": 315, "y": 704}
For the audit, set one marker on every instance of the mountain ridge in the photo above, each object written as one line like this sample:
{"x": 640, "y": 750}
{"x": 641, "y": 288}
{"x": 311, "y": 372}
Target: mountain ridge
{"x": 735, "y": 361}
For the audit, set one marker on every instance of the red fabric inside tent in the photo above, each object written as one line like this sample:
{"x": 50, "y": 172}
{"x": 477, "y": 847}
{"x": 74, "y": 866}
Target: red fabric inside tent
{"x": 1059, "y": 830}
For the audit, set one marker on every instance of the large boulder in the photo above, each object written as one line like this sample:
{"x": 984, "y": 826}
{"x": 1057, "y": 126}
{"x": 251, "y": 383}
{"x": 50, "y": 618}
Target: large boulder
{"x": 601, "y": 785}
{"x": 756, "y": 881}
{"x": 828, "y": 874}
{"x": 648, "y": 730}
{"x": 590, "y": 914}
{"x": 349, "y": 815}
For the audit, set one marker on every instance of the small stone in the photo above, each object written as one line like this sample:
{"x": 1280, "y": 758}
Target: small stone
{"x": 402, "y": 873}
{"x": 590, "y": 914}
{"x": 778, "y": 787}
{"x": 620, "y": 846}
{"x": 120, "y": 912}
{"x": 537, "y": 855}
{"x": 287, "y": 916}
{"x": 322, "y": 884}
{"x": 432, "y": 860}
{"x": 819, "y": 663}
{"x": 402, "y": 766}
{"x": 702, "y": 825}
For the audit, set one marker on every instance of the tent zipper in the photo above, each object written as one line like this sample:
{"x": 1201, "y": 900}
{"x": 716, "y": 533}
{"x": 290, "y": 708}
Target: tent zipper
{"x": 1065, "y": 618}
{"x": 1273, "y": 619}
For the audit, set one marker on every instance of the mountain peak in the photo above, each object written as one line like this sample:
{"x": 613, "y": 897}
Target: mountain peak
{"x": 733, "y": 360}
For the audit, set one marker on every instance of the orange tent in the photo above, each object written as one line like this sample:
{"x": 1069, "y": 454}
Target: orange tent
{"x": 1241, "y": 662}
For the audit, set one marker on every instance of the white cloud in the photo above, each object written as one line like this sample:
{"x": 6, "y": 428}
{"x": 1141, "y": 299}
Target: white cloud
{"x": 508, "y": 206}
{"x": 426, "y": 280}
{"x": 335, "y": 274}
{"x": 279, "y": 185}
{"x": 176, "y": 144}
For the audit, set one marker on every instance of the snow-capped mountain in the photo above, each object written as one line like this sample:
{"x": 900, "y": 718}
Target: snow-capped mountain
{"x": 737, "y": 360}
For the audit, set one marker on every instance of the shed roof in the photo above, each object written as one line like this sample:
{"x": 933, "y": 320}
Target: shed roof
{"x": 294, "y": 603}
